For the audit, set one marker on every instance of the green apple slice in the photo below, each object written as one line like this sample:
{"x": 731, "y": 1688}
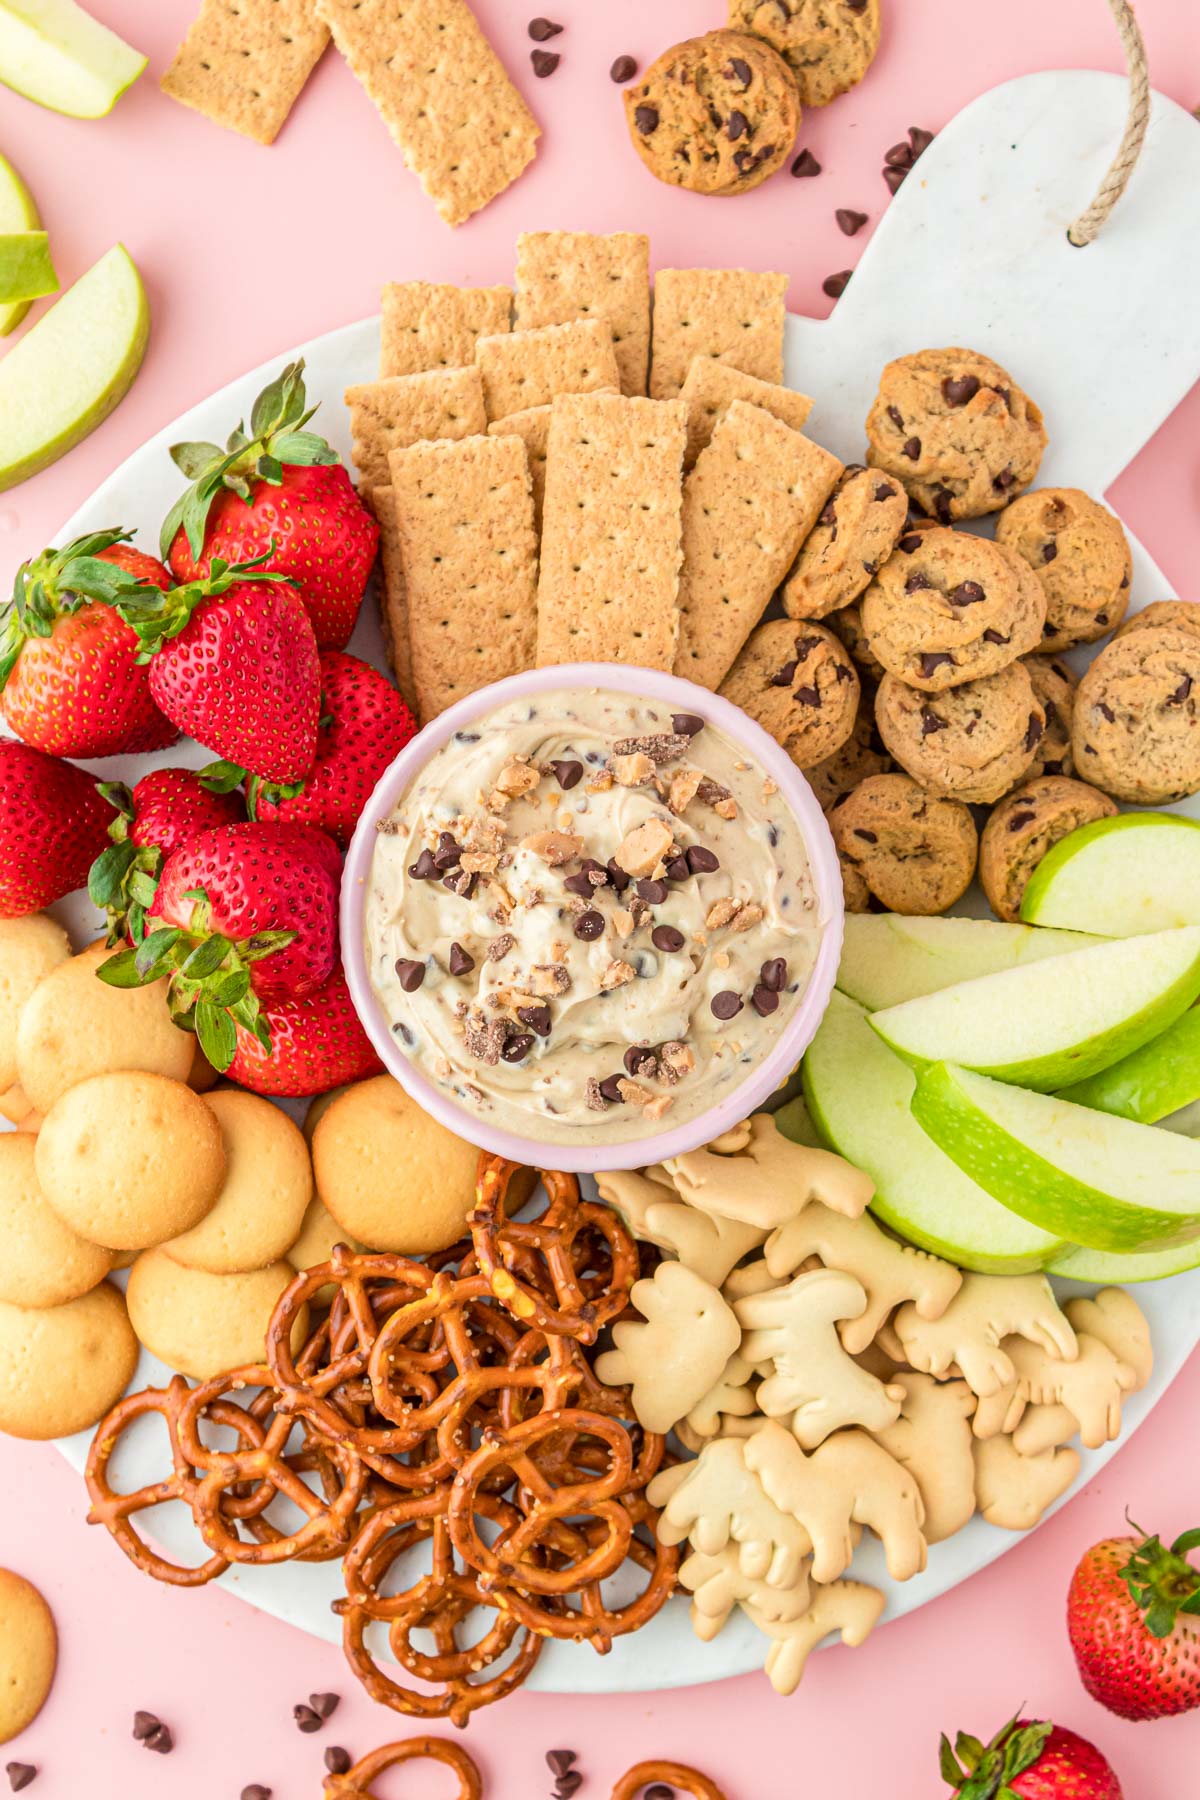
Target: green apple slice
{"x": 887, "y": 958}
{"x": 1054, "y": 1022}
{"x": 859, "y": 1096}
{"x": 1120, "y": 877}
{"x": 72, "y": 368}
{"x": 55, "y": 53}
{"x": 1158, "y": 1079}
{"x": 1112, "y": 1267}
{"x": 26, "y": 271}
{"x": 18, "y": 212}
{"x": 1102, "y": 1182}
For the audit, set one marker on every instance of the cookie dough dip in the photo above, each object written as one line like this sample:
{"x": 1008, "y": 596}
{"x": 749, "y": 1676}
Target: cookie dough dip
{"x": 589, "y": 918}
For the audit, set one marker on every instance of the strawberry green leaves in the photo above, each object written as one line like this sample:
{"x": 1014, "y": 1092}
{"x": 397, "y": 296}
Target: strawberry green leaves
{"x": 1163, "y": 1583}
{"x": 58, "y": 582}
{"x": 157, "y": 617}
{"x": 978, "y": 1771}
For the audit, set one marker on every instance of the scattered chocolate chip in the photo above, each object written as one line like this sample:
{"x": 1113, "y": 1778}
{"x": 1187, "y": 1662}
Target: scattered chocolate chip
{"x": 807, "y": 696}
{"x": 424, "y": 869}
{"x": 1182, "y": 691}
{"x": 806, "y": 164}
{"x": 686, "y": 724}
{"x": 568, "y": 773}
{"x": 638, "y": 1058}
{"x": 337, "y": 1760}
{"x": 665, "y": 937}
{"x": 764, "y": 1001}
{"x": 646, "y": 119}
{"x": 448, "y": 854}
{"x": 933, "y": 660}
{"x": 920, "y": 139}
{"x": 785, "y": 676}
{"x": 560, "y": 1761}
{"x": 773, "y": 974}
{"x": 996, "y": 637}
{"x": 410, "y": 972}
{"x": 677, "y": 868}
{"x": 931, "y": 722}
{"x": 896, "y": 416}
{"x": 568, "y": 1785}
{"x": 702, "y": 861}
{"x": 917, "y": 581}
{"x": 883, "y": 492}
{"x": 306, "y": 1719}
{"x": 580, "y": 884}
{"x": 737, "y": 126}
{"x": 324, "y": 1705}
{"x": 958, "y": 389}
{"x": 19, "y": 1775}
{"x": 910, "y": 543}
{"x": 145, "y": 1725}
{"x": 1019, "y": 819}
{"x": 894, "y": 178}
{"x": 541, "y": 29}
{"x": 623, "y": 69}
{"x": 1033, "y": 731}
{"x": 517, "y": 1048}
{"x": 653, "y": 892}
{"x": 617, "y": 875}
{"x": 460, "y": 883}
{"x": 726, "y": 1004}
{"x": 911, "y": 448}
{"x": 460, "y": 961}
{"x": 899, "y": 156}
{"x": 836, "y": 285}
{"x": 544, "y": 62}
{"x": 610, "y": 1088}
{"x": 589, "y": 925}
{"x": 849, "y": 221}
{"x": 536, "y": 1017}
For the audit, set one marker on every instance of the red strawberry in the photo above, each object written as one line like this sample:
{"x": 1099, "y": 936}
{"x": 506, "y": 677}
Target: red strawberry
{"x": 53, "y": 822}
{"x": 234, "y": 663}
{"x": 316, "y": 1044}
{"x": 1032, "y": 1761}
{"x": 1133, "y": 1614}
{"x": 281, "y": 493}
{"x": 243, "y": 915}
{"x": 69, "y": 670}
{"x": 165, "y": 809}
{"x": 364, "y": 726}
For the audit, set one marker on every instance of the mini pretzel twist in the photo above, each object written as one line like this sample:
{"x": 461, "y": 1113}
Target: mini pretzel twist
{"x": 356, "y": 1783}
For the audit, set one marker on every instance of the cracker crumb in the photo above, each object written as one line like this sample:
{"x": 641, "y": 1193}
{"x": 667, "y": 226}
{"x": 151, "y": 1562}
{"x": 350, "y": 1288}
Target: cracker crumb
{"x": 594, "y": 1098}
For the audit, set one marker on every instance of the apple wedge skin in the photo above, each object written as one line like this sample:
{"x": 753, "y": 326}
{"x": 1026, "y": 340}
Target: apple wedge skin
{"x": 1073, "y": 1063}
{"x": 1160, "y": 1078}
{"x": 888, "y": 957}
{"x": 945, "y": 1105}
{"x": 1112, "y": 1268}
{"x": 67, "y": 62}
{"x": 18, "y": 212}
{"x": 1077, "y": 884}
{"x": 26, "y": 269}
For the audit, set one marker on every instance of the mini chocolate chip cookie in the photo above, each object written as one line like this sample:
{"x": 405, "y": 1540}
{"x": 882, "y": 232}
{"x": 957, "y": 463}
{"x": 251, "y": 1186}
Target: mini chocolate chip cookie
{"x": 856, "y": 895}
{"x": 1054, "y": 687}
{"x": 715, "y": 114}
{"x": 851, "y": 541}
{"x": 1136, "y": 730}
{"x": 798, "y": 682}
{"x": 1080, "y": 555}
{"x": 953, "y": 426}
{"x": 972, "y": 743}
{"x": 861, "y": 755}
{"x": 847, "y": 626}
{"x": 1026, "y": 825}
{"x": 915, "y": 851}
{"x": 1180, "y": 615}
{"x": 952, "y": 609}
{"x": 828, "y": 44}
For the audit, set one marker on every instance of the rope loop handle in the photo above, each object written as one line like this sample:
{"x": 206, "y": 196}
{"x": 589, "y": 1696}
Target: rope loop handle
{"x": 1086, "y": 227}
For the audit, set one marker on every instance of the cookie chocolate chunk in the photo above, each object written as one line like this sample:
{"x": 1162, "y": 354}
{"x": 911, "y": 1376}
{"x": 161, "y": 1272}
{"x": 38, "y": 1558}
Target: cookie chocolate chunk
{"x": 972, "y": 743}
{"x": 950, "y": 609}
{"x": 851, "y": 541}
{"x": 954, "y": 427}
{"x": 799, "y": 684}
{"x": 1080, "y": 555}
{"x": 1136, "y": 731}
{"x": 828, "y": 44}
{"x": 914, "y": 851}
{"x": 716, "y": 114}
{"x": 1024, "y": 827}
{"x": 1054, "y": 686}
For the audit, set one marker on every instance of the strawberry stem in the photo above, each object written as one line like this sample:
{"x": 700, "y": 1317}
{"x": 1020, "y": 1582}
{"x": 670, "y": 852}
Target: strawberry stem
{"x": 157, "y": 617}
{"x": 56, "y": 583}
{"x": 978, "y": 1771}
{"x": 1162, "y": 1582}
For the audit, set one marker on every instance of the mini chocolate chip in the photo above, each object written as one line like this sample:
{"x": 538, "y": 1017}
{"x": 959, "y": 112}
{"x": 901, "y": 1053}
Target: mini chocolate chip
{"x": 424, "y": 869}
{"x": 1003, "y": 481}
{"x": 1182, "y": 691}
{"x": 958, "y": 389}
{"x": 868, "y": 837}
{"x": 665, "y": 937}
{"x": 610, "y": 1087}
{"x": 849, "y": 221}
{"x": 785, "y": 676}
{"x": 1102, "y": 618}
{"x": 910, "y": 543}
{"x": 411, "y": 973}
{"x": 806, "y": 164}
{"x": 920, "y": 139}
{"x": 1049, "y": 551}
{"x": 568, "y": 773}
{"x": 306, "y": 1719}
{"x": 639, "y": 1057}
{"x": 894, "y": 178}
{"x": 773, "y": 974}
{"x": 911, "y": 448}
{"x": 737, "y": 127}
{"x": 896, "y": 416}
{"x": 623, "y": 69}
{"x": 1034, "y": 731}
{"x": 807, "y": 696}
{"x": 646, "y": 119}
{"x": 460, "y": 961}
{"x": 677, "y": 868}
{"x": 883, "y": 492}
{"x": 836, "y": 285}
{"x": 701, "y": 860}
{"x": 560, "y": 1761}
{"x": 19, "y": 1775}
{"x": 967, "y": 593}
{"x": 517, "y": 1048}
{"x": 541, "y": 29}
{"x": 764, "y": 1001}
{"x": 544, "y": 62}
{"x": 448, "y": 854}
{"x": 536, "y": 1017}
{"x": 653, "y": 892}
{"x": 337, "y": 1760}
{"x": 996, "y": 637}
{"x": 589, "y": 925}
{"x": 143, "y": 1724}
{"x": 726, "y": 1004}
{"x": 617, "y": 875}
{"x": 931, "y": 722}
{"x": 580, "y": 884}
{"x": 568, "y": 1785}
{"x": 932, "y": 660}
{"x": 1019, "y": 819}
{"x": 916, "y": 581}
{"x": 460, "y": 883}
{"x": 943, "y": 500}
{"x": 1106, "y": 712}
{"x": 899, "y": 156}
{"x": 686, "y": 724}
{"x": 159, "y": 1740}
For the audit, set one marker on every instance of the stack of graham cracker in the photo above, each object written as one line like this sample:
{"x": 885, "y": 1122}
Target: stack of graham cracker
{"x": 538, "y": 508}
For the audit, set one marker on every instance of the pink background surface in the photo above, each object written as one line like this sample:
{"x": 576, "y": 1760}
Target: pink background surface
{"x": 245, "y": 252}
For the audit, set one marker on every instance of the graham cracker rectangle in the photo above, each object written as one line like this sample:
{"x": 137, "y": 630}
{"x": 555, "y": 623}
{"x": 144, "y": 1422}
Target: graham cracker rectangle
{"x": 393, "y": 607}
{"x": 528, "y": 368}
{"x": 709, "y": 388}
{"x": 390, "y": 415}
{"x": 611, "y": 531}
{"x": 564, "y": 275}
{"x": 431, "y": 325}
{"x": 735, "y": 315}
{"x": 464, "y": 521}
{"x": 749, "y": 503}
{"x": 443, "y": 94}
{"x": 533, "y": 428}
{"x": 244, "y": 62}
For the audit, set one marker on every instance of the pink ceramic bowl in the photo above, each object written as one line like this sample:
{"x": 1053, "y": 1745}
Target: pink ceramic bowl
{"x": 772, "y": 1072}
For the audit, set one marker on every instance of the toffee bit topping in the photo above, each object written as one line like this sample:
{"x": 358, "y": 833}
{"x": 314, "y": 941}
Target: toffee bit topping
{"x": 617, "y": 974}
{"x": 675, "y": 1060}
{"x": 500, "y": 946}
{"x": 547, "y": 979}
{"x": 485, "y": 1038}
{"x": 662, "y": 747}
{"x": 632, "y": 770}
{"x": 518, "y": 776}
{"x": 633, "y": 1093}
{"x": 658, "y": 1106}
{"x": 553, "y": 847}
{"x": 683, "y": 790}
{"x": 593, "y": 1098}
{"x": 642, "y": 849}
